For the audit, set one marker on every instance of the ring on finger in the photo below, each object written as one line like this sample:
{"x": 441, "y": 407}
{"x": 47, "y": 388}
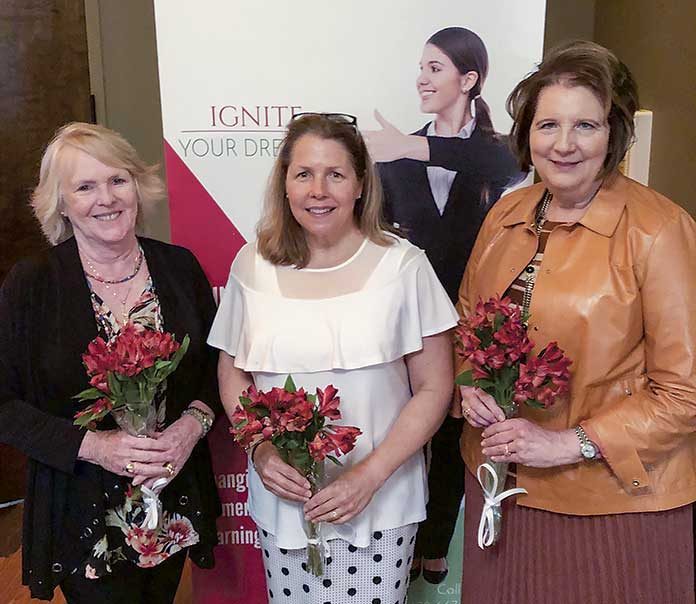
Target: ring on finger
{"x": 334, "y": 515}
{"x": 467, "y": 411}
{"x": 171, "y": 468}
{"x": 129, "y": 468}
{"x": 507, "y": 450}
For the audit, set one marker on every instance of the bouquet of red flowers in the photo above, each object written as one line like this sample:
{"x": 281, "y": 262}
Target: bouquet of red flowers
{"x": 125, "y": 374}
{"x": 296, "y": 423}
{"x": 494, "y": 340}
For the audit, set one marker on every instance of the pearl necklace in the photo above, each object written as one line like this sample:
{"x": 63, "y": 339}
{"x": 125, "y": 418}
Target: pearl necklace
{"x": 94, "y": 274}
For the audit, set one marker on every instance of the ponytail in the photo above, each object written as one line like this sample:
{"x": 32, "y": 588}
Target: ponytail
{"x": 483, "y": 117}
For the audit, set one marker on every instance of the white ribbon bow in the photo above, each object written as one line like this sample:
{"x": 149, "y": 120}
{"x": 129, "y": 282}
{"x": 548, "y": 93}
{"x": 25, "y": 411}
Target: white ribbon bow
{"x": 343, "y": 531}
{"x": 152, "y": 504}
{"x": 486, "y": 534}
{"x": 323, "y": 542}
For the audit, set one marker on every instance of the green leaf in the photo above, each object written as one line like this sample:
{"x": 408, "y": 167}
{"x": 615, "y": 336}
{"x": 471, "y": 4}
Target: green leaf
{"x": 334, "y": 459}
{"x": 534, "y": 403}
{"x": 114, "y": 385}
{"x": 465, "y": 378}
{"x": 90, "y": 394}
{"x": 290, "y": 384}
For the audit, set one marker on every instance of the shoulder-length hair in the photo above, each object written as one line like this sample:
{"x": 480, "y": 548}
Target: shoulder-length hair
{"x": 280, "y": 238}
{"x": 578, "y": 63}
{"x": 105, "y": 145}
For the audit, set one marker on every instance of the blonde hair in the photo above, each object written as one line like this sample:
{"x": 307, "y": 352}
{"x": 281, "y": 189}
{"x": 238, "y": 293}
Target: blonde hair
{"x": 280, "y": 238}
{"x": 105, "y": 145}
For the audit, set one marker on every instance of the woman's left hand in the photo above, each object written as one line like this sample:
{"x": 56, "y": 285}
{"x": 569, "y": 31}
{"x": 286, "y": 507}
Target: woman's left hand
{"x": 344, "y": 498}
{"x": 177, "y": 440}
{"x": 520, "y": 441}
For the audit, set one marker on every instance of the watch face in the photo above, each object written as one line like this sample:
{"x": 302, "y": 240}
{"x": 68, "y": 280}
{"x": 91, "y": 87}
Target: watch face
{"x": 588, "y": 450}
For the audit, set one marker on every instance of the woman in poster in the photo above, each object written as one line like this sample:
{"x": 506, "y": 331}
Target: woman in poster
{"x": 439, "y": 183}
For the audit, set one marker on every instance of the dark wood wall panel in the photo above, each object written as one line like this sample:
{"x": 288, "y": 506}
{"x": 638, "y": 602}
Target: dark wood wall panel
{"x": 44, "y": 83}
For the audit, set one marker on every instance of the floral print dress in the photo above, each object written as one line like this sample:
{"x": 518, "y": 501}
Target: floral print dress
{"x": 125, "y": 538}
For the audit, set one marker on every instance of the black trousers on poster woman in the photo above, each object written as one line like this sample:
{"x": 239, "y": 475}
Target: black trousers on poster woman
{"x": 446, "y": 488}
{"x": 128, "y": 584}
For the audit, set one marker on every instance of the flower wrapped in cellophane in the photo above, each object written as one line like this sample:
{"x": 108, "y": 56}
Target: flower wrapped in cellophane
{"x": 295, "y": 421}
{"x": 125, "y": 374}
{"x": 494, "y": 341}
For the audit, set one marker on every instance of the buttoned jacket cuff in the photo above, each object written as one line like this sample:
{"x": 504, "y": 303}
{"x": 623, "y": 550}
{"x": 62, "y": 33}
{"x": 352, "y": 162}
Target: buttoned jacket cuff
{"x": 619, "y": 451}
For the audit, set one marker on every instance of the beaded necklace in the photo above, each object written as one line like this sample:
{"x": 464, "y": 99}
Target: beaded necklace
{"x": 539, "y": 221}
{"x": 94, "y": 274}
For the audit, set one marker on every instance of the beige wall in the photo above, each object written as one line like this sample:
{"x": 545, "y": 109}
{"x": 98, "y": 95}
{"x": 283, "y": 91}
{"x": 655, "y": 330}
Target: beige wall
{"x": 125, "y": 82}
{"x": 568, "y": 20}
{"x": 657, "y": 42}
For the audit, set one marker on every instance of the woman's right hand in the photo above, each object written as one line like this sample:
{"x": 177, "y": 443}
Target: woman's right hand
{"x": 114, "y": 450}
{"x": 278, "y": 477}
{"x": 389, "y": 143}
{"x": 479, "y": 408}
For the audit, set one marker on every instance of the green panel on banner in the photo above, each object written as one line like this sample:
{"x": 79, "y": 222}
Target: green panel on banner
{"x": 449, "y": 591}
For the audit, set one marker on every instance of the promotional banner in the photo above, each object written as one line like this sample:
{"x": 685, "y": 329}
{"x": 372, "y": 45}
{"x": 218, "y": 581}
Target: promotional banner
{"x": 232, "y": 75}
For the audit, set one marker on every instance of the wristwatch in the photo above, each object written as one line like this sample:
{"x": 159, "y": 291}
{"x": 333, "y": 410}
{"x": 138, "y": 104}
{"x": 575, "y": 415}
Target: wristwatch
{"x": 588, "y": 449}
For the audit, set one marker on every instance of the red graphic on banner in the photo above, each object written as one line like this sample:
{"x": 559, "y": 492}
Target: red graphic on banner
{"x": 198, "y": 223}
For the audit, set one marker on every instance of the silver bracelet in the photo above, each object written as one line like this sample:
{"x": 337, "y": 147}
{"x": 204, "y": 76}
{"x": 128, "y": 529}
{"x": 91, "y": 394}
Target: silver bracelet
{"x": 203, "y": 418}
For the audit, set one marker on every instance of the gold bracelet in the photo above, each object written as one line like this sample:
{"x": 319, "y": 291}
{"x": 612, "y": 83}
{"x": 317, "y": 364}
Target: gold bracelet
{"x": 203, "y": 418}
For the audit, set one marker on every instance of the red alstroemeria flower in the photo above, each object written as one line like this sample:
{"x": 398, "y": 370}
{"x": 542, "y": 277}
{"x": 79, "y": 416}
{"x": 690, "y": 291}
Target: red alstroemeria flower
{"x": 329, "y": 402}
{"x": 343, "y": 437}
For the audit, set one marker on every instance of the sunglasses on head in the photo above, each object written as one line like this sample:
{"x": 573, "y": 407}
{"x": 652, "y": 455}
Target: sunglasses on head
{"x": 341, "y": 118}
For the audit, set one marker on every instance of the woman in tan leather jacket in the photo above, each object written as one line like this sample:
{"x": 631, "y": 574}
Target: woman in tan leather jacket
{"x": 611, "y": 269}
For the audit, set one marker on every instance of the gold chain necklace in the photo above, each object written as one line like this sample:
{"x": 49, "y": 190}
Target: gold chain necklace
{"x": 539, "y": 221}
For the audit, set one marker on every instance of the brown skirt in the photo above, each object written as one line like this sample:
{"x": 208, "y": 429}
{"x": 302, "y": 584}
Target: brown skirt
{"x": 548, "y": 558}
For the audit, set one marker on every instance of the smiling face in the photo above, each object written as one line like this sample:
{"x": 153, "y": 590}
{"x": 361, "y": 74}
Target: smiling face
{"x": 439, "y": 84}
{"x": 100, "y": 201}
{"x": 322, "y": 186}
{"x": 568, "y": 140}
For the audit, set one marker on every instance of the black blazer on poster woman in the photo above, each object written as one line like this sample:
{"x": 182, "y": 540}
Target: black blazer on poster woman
{"x": 46, "y": 322}
{"x": 485, "y": 168}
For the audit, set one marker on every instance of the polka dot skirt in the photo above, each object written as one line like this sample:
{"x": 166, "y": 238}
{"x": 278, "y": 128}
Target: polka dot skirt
{"x": 377, "y": 574}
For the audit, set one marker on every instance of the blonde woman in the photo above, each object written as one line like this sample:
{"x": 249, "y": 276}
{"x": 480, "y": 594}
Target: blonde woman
{"x": 82, "y": 526}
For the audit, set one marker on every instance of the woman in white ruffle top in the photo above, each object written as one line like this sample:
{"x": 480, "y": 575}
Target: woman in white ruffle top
{"x": 328, "y": 295}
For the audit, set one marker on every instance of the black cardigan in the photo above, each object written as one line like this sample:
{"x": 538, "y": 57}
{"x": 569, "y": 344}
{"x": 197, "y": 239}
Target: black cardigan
{"x": 46, "y": 322}
{"x": 481, "y": 162}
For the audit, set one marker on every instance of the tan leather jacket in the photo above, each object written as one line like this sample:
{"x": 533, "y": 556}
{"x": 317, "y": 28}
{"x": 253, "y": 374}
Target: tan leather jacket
{"x": 618, "y": 292}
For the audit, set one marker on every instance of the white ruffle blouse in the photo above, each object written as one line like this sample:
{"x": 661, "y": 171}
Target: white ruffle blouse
{"x": 387, "y": 300}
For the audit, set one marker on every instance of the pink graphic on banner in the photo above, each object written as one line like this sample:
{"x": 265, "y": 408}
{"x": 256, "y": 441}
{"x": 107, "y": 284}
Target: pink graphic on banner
{"x": 198, "y": 223}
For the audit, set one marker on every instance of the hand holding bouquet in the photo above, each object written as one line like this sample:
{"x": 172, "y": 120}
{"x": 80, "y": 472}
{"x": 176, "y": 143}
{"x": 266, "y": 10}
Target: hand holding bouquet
{"x": 494, "y": 340}
{"x": 125, "y": 374}
{"x": 296, "y": 423}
